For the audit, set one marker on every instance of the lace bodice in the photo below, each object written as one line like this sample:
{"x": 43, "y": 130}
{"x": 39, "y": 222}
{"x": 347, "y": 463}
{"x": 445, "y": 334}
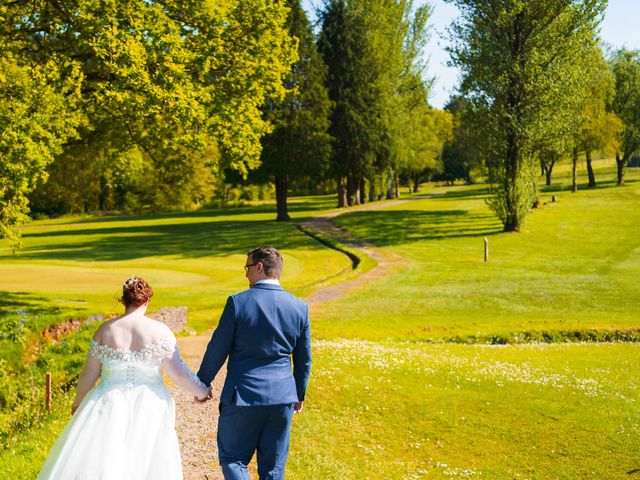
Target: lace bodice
{"x": 150, "y": 353}
{"x": 136, "y": 367}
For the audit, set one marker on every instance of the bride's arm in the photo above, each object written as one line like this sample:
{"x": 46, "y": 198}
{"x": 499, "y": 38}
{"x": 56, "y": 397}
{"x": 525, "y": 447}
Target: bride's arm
{"x": 183, "y": 376}
{"x": 86, "y": 380}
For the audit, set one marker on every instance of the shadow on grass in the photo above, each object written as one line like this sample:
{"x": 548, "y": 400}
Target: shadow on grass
{"x": 466, "y": 192}
{"x": 393, "y": 227}
{"x": 308, "y": 204}
{"x": 189, "y": 240}
{"x": 583, "y": 185}
{"x": 16, "y": 302}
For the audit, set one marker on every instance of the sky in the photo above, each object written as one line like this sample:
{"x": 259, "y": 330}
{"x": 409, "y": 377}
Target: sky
{"x": 618, "y": 29}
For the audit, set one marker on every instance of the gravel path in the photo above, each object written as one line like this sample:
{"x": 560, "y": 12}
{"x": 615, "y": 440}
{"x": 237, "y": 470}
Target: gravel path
{"x": 196, "y": 424}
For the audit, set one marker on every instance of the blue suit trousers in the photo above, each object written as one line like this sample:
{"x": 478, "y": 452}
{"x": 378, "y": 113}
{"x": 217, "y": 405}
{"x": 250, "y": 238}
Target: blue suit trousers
{"x": 245, "y": 430}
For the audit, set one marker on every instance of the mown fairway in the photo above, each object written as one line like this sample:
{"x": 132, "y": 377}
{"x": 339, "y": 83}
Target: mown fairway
{"x": 76, "y": 266}
{"x": 574, "y": 267}
{"x": 388, "y": 399}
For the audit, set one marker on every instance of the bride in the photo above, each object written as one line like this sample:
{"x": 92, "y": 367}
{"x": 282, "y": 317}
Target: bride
{"x": 124, "y": 428}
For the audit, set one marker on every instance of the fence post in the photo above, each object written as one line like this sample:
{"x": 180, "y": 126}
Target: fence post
{"x": 486, "y": 249}
{"x": 48, "y": 391}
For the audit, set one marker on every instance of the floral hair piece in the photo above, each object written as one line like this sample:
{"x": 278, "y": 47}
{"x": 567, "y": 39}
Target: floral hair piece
{"x": 131, "y": 280}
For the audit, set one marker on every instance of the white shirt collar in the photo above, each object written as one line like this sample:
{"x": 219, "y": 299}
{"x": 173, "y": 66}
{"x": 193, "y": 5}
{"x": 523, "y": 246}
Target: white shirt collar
{"x": 269, "y": 281}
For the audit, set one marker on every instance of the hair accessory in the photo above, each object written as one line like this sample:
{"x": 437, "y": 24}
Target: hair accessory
{"x": 131, "y": 280}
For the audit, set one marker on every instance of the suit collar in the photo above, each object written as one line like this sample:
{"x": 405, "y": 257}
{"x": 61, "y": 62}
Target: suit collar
{"x": 267, "y": 286}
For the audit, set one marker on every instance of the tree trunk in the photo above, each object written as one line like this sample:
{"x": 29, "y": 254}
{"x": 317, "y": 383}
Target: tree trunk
{"x": 281, "y": 199}
{"x": 547, "y": 173}
{"x": 513, "y": 218}
{"x": 390, "y": 178}
{"x": 102, "y": 198}
{"x": 620, "y": 163}
{"x": 416, "y": 183}
{"x": 363, "y": 198}
{"x": 372, "y": 190}
{"x": 353, "y": 190}
{"x": 574, "y": 182}
{"x": 592, "y": 177}
{"x": 312, "y": 187}
{"x": 543, "y": 168}
{"x": 397, "y": 180}
{"x": 342, "y": 193}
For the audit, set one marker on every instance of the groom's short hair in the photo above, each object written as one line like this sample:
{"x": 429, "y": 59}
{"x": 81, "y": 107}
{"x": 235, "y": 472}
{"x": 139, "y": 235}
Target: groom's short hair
{"x": 270, "y": 258}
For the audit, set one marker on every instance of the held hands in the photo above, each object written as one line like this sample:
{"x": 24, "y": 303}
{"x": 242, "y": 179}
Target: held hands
{"x": 204, "y": 399}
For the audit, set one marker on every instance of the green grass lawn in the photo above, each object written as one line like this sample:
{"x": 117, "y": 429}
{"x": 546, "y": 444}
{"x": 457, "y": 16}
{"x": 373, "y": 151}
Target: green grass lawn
{"x": 389, "y": 398}
{"x": 75, "y": 266}
{"x": 403, "y": 410}
{"x": 574, "y": 267}
{"x": 387, "y": 405}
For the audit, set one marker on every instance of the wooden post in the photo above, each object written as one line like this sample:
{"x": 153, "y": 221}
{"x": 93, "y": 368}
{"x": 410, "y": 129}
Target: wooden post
{"x": 486, "y": 249}
{"x": 48, "y": 391}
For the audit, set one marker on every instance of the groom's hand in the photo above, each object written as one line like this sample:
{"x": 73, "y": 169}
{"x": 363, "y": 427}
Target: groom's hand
{"x": 297, "y": 407}
{"x": 205, "y": 399}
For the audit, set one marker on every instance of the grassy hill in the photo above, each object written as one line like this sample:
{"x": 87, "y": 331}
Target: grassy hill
{"x": 573, "y": 268}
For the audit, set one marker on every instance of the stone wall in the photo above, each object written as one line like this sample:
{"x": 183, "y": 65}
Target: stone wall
{"x": 174, "y": 317}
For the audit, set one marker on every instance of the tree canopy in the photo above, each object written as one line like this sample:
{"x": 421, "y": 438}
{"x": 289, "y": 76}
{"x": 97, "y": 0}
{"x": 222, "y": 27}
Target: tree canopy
{"x": 625, "y": 65}
{"x": 37, "y": 117}
{"x": 373, "y": 50}
{"x": 171, "y": 80}
{"x": 299, "y": 144}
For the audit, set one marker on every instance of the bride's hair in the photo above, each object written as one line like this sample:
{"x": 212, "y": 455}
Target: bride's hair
{"x": 135, "y": 292}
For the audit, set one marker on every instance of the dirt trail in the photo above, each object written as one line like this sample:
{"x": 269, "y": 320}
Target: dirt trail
{"x": 196, "y": 423}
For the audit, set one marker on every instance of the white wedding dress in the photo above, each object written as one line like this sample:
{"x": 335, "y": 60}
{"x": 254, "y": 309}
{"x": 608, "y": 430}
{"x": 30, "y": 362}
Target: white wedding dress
{"x": 124, "y": 429}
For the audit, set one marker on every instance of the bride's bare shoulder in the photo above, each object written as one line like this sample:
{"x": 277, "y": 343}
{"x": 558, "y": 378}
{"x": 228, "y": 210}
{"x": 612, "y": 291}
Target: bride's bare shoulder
{"x": 158, "y": 329}
{"x": 105, "y": 329}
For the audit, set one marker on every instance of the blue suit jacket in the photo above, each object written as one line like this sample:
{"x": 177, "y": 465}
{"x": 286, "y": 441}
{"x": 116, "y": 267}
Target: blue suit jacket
{"x": 261, "y": 330}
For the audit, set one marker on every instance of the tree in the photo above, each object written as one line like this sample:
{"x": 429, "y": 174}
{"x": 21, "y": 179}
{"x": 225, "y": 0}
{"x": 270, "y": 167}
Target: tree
{"x": 37, "y": 116}
{"x": 599, "y": 129}
{"x": 460, "y": 153}
{"x": 173, "y": 80}
{"x": 299, "y": 144}
{"x": 356, "y": 87}
{"x": 417, "y": 131}
{"x": 372, "y": 49}
{"x": 522, "y": 64}
{"x": 548, "y": 159}
{"x": 625, "y": 65}
{"x": 432, "y": 130}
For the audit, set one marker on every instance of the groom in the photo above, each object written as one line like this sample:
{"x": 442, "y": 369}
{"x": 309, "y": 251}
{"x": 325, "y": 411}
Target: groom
{"x": 261, "y": 330}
